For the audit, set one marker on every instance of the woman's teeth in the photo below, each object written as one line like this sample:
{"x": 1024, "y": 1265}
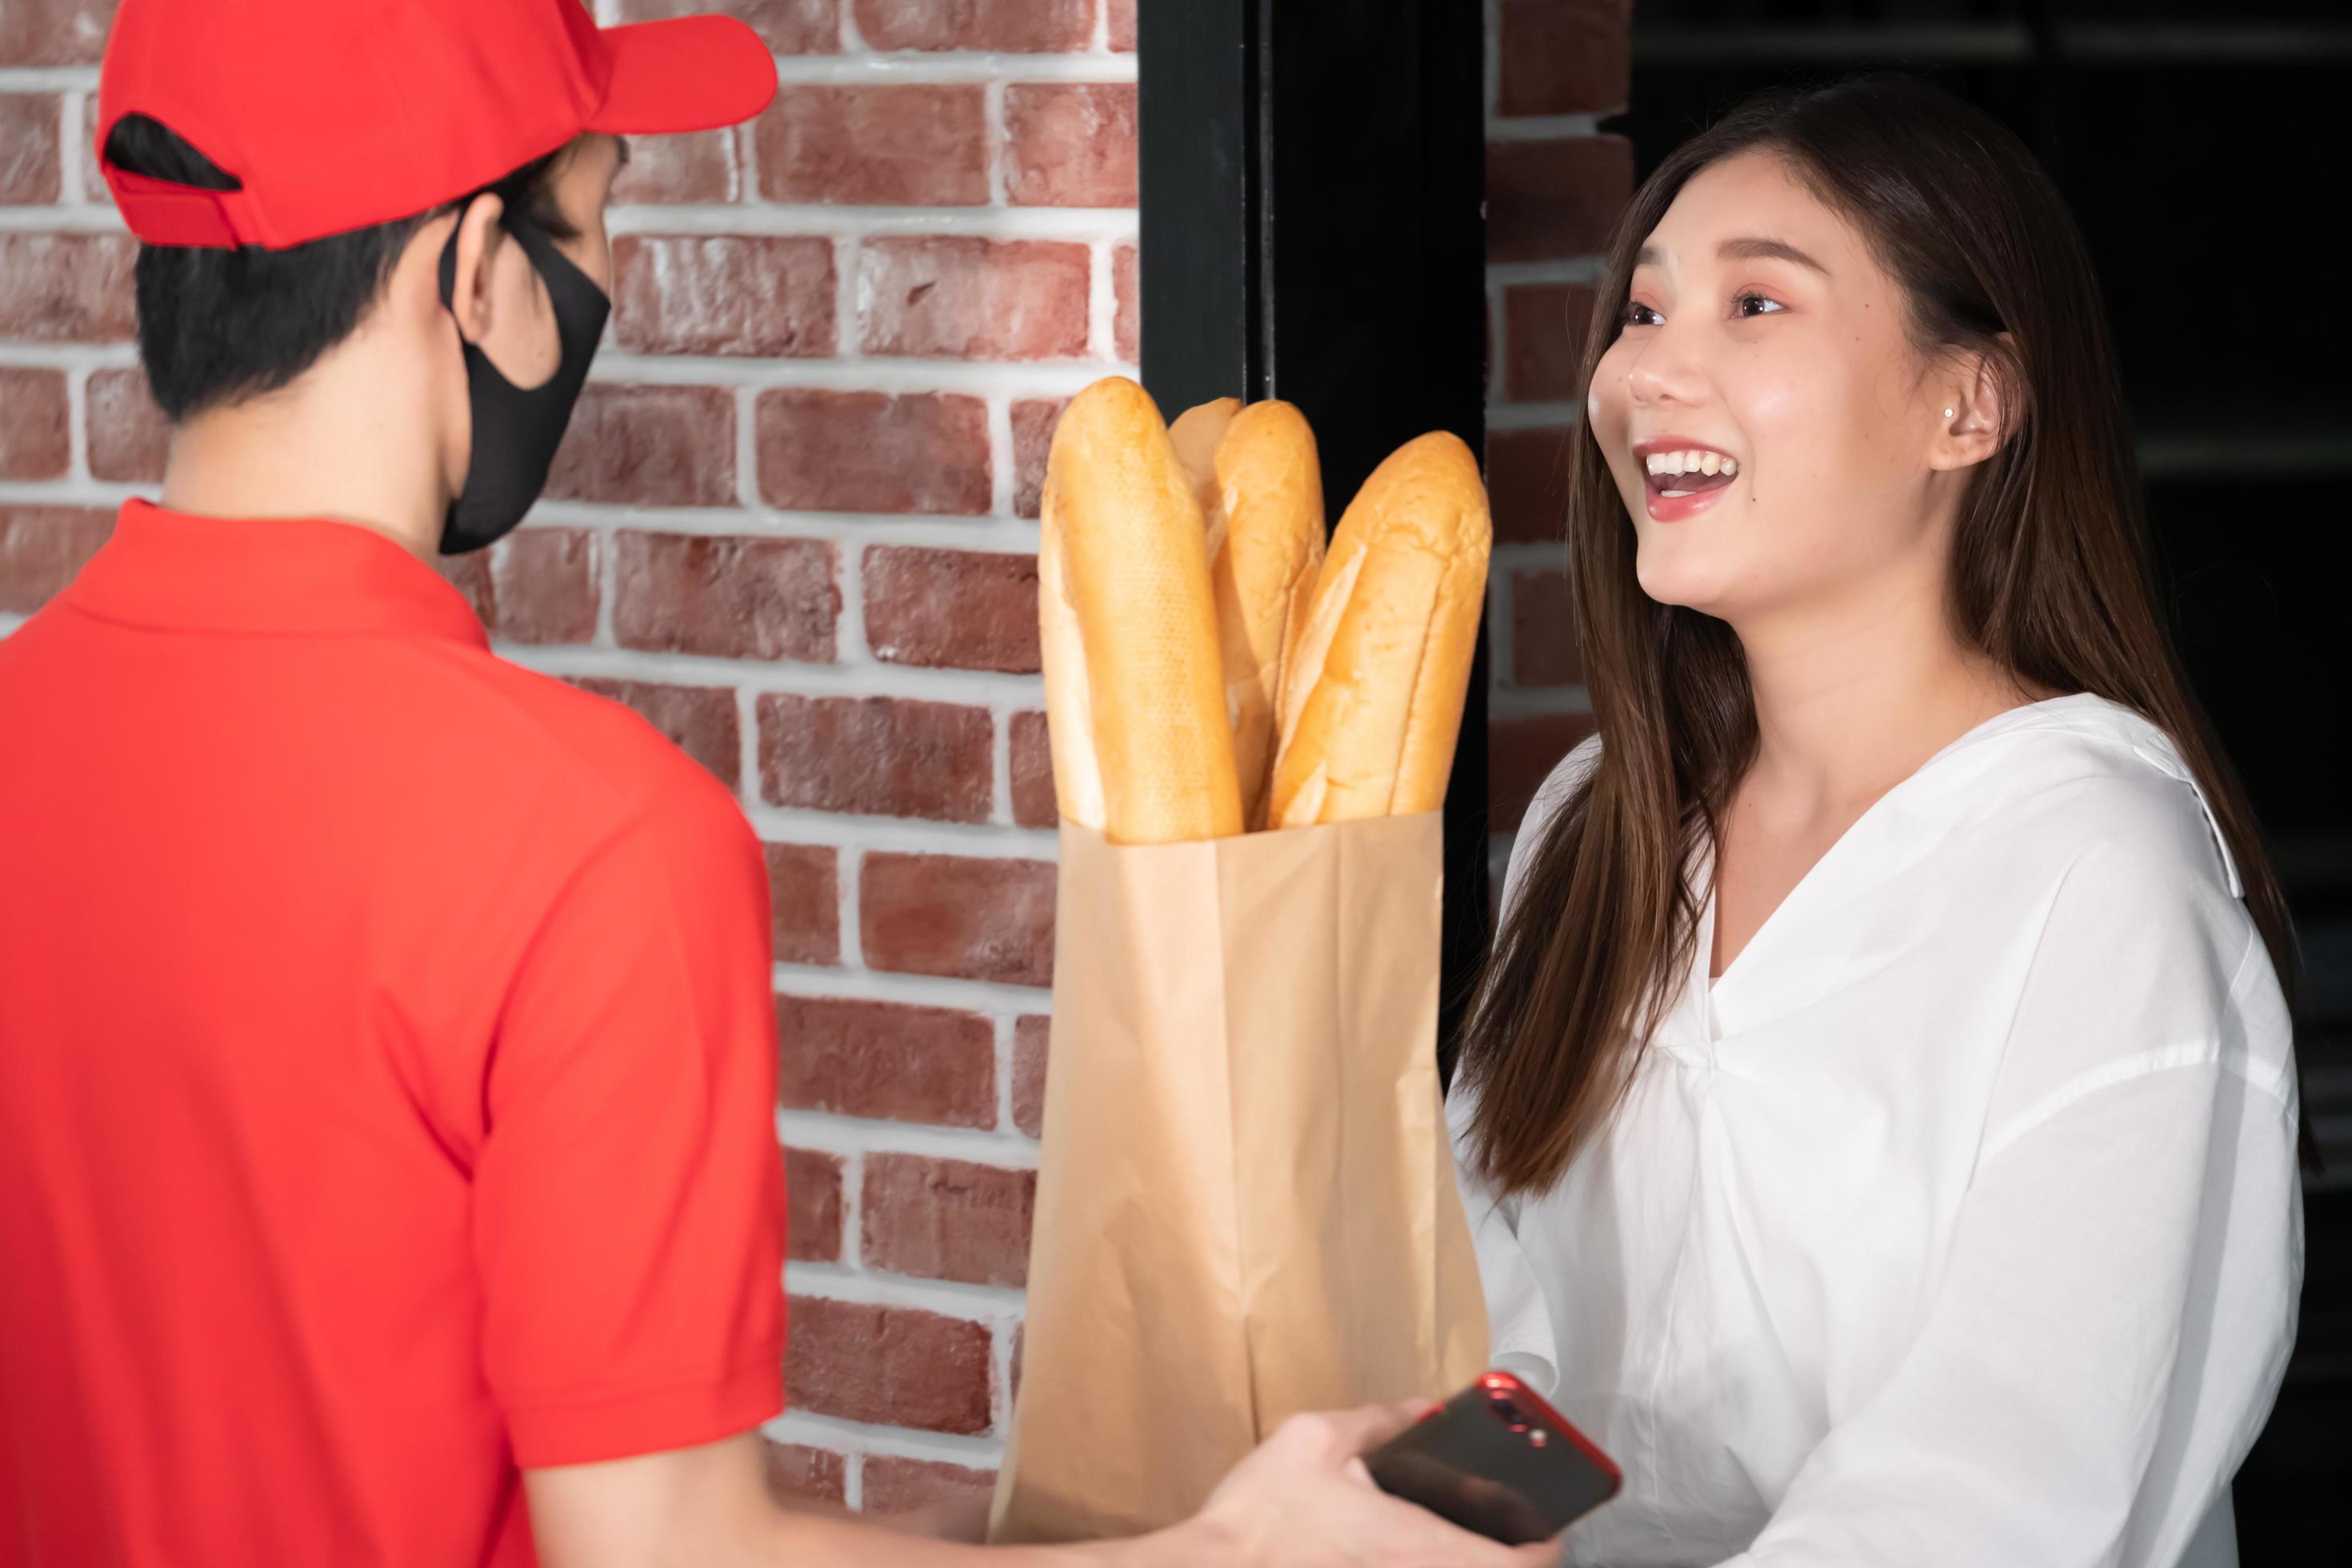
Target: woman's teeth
{"x": 1711, "y": 467}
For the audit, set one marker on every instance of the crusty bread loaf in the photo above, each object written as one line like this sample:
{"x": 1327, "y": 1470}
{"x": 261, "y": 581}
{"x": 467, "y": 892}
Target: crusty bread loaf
{"x": 1069, "y": 707}
{"x": 1266, "y": 547}
{"x": 1129, "y": 629}
{"x": 1195, "y": 436}
{"x": 1374, "y": 692}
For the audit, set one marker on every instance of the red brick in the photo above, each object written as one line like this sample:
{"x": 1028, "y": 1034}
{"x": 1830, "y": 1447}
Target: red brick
{"x": 1032, "y": 442}
{"x": 946, "y": 1219}
{"x": 1547, "y": 200}
{"x": 804, "y": 898}
{"x": 1031, "y": 1040}
{"x": 789, "y": 27}
{"x": 1521, "y": 753}
{"x": 129, "y": 436}
{"x": 961, "y": 297}
{"x": 41, "y": 549}
{"x": 648, "y": 445}
{"x": 1546, "y": 326}
{"x": 895, "y": 1366}
{"x": 1527, "y": 483}
{"x": 1565, "y": 57}
{"x": 755, "y": 296}
{"x": 887, "y": 1061}
{"x": 705, "y": 167}
{"x": 54, "y": 31}
{"x": 28, "y": 147}
{"x": 1013, "y": 27}
{"x": 1543, "y": 632}
{"x": 876, "y": 756}
{"x": 1070, "y": 145}
{"x": 1035, "y": 804}
{"x": 727, "y": 598}
{"x": 953, "y": 609}
{"x": 794, "y": 1470}
{"x": 874, "y": 451}
{"x": 923, "y": 145}
{"x": 971, "y": 919}
{"x": 812, "y": 1187}
{"x": 540, "y": 585}
{"x": 66, "y": 287}
{"x": 1123, "y": 24}
{"x": 894, "y": 1485}
{"x": 35, "y": 437}
{"x": 698, "y": 720}
{"x": 1127, "y": 320}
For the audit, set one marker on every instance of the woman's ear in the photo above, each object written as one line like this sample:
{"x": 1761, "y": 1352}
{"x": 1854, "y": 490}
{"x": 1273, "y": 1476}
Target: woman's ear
{"x": 479, "y": 239}
{"x": 1973, "y": 414}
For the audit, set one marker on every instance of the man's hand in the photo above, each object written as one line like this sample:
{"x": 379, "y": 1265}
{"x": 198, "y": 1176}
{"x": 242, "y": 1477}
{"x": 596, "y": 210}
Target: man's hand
{"x": 1304, "y": 1500}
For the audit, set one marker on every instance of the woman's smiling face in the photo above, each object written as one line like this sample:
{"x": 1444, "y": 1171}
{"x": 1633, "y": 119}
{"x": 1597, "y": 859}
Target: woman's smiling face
{"x": 1761, "y": 334}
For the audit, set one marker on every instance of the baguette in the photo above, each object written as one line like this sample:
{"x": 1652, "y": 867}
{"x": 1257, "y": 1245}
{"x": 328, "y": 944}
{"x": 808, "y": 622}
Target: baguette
{"x": 1266, "y": 547}
{"x": 1127, "y": 618}
{"x": 1373, "y": 693}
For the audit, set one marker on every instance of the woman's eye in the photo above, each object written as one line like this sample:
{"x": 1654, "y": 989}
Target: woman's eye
{"x": 1633, "y": 315}
{"x": 1739, "y": 303}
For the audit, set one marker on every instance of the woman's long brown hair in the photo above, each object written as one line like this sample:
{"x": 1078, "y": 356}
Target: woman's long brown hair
{"x": 2050, "y": 576}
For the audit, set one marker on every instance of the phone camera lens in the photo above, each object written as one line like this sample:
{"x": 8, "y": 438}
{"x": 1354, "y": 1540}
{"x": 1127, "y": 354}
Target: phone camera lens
{"x": 1505, "y": 1409}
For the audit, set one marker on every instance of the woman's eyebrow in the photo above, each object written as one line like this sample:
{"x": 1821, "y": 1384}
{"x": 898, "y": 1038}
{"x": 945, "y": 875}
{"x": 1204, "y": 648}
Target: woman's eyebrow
{"x": 1746, "y": 248}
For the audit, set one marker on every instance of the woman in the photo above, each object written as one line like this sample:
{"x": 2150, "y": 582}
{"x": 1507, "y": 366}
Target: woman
{"x": 1878, "y": 1121}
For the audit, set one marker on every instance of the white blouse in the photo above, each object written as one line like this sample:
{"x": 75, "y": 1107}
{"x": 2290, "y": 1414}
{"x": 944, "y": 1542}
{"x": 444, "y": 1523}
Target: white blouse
{"x": 1957, "y": 1222}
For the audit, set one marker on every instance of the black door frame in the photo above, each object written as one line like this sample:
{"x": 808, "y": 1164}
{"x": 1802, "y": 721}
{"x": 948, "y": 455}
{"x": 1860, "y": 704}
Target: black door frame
{"x": 1312, "y": 228}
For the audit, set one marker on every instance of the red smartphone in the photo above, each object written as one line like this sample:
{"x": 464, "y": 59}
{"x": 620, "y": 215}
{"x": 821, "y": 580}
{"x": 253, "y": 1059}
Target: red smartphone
{"x": 1496, "y": 1459}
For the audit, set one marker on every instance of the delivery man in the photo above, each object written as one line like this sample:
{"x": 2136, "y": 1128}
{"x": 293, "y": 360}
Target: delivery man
{"x": 387, "y": 1166}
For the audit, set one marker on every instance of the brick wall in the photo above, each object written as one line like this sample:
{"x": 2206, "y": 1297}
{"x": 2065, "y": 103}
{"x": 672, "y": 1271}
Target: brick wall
{"x": 1555, "y": 185}
{"x": 794, "y": 525}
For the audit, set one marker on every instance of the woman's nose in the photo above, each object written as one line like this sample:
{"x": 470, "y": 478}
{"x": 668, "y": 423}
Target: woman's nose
{"x": 1664, "y": 370}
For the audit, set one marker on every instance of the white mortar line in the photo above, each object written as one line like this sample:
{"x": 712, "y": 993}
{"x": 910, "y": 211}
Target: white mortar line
{"x": 1036, "y": 378}
{"x": 828, "y": 983}
{"x": 77, "y": 427}
{"x": 68, "y": 356}
{"x": 747, "y": 727}
{"x": 849, "y": 867}
{"x": 999, "y": 146}
{"x": 70, "y": 148}
{"x": 831, "y": 1432}
{"x": 47, "y": 78}
{"x": 819, "y": 220}
{"x": 867, "y": 67}
{"x": 971, "y": 687}
{"x": 831, "y": 1282}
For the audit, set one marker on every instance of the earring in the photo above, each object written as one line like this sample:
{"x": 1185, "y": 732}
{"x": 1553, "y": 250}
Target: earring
{"x": 1948, "y": 414}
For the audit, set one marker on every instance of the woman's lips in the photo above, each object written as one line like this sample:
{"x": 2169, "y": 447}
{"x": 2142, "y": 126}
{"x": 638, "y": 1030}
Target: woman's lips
{"x": 1699, "y": 491}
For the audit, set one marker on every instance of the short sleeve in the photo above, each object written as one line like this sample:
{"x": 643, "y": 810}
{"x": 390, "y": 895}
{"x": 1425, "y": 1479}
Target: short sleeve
{"x": 629, "y": 1194}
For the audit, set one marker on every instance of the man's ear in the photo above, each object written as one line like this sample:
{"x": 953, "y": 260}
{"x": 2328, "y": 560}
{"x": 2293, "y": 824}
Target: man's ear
{"x": 479, "y": 237}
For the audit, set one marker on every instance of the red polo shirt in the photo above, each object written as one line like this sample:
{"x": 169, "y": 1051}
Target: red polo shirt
{"x": 387, "y": 1068}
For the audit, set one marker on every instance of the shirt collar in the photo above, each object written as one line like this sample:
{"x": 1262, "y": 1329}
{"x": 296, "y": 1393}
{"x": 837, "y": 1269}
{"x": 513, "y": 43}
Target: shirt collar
{"x": 304, "y": 577}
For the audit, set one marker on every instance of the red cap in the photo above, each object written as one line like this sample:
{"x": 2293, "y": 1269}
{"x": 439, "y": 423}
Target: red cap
{"x": 338, "y": 114}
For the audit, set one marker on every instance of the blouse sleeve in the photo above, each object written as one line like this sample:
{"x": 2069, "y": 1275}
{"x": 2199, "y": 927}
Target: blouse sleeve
{"x": 2116, "y": 1312}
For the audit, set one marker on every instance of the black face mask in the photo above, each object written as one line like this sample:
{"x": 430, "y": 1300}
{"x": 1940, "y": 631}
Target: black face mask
{"x": 516, "y": 431}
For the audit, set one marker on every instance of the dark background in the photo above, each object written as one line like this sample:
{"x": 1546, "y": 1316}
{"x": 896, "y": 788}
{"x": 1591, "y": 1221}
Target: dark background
{"x": 2201, "y": 144}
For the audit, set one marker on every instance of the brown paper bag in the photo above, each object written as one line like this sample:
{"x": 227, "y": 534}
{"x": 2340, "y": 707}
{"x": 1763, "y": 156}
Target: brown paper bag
{"x": 1246, "y": 1205}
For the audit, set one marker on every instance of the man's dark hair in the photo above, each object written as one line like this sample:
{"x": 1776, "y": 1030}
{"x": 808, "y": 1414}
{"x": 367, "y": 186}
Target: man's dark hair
{"x": 219, "y": 326}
